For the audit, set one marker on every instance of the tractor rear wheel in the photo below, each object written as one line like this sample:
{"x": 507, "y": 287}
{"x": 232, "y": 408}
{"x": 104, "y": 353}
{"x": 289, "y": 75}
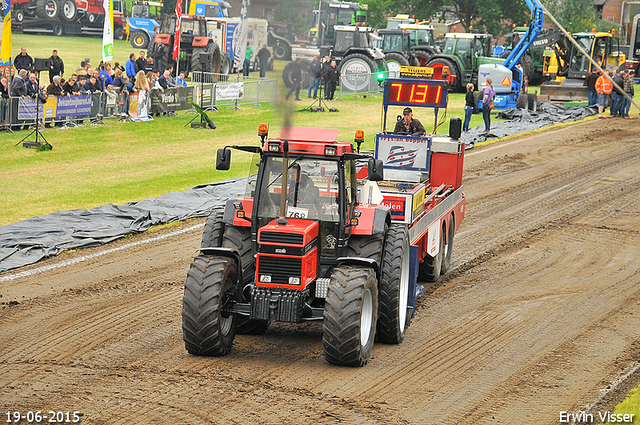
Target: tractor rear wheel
{"x": 196, "y": 65}
{"x": 213, "y": 228}
{"x": 211, "y": 283}
{"x": 225, "y": 64}
{"x": 369, "y": 246}
{"x": 356, "y": 70}
{"x": 394, "y": 62}
{"x": 431, "y": 267}
{"x": 213, "y": 51}
{"x": 448, "y": 247}
{"x": 350, "y": 313}
{"x": 422, "y": 57}
{"x": 438, "y": 65}
{"x": 394, "y": 285}
{"x": 288, "y": 69}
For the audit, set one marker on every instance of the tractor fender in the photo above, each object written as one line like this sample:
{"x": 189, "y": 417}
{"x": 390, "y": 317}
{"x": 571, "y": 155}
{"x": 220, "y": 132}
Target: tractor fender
{"x": 200, "y": 41}
{"x": 226, "y": 252}
{"x": 381, "y": 220}
{"x": 357, "y": 261}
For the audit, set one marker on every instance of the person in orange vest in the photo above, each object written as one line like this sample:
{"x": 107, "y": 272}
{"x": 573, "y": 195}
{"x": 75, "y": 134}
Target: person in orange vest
{"x": 603, "y": 88}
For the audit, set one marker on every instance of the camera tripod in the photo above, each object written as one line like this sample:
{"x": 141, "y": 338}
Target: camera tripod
{"x": 36, "y": 130}
{"x": 322, "y": 104}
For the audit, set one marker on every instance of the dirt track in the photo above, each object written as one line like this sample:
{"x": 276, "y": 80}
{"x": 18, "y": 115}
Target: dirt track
{"x": 539, "y": 314}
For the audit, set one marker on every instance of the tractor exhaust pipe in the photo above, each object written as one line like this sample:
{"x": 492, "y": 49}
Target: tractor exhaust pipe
{"x": 285, "y": 178}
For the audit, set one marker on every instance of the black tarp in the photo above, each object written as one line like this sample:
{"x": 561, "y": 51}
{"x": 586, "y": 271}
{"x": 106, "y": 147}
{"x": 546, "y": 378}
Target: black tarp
{"x": 521, "y": 120}
{"x": 28, "y": 241}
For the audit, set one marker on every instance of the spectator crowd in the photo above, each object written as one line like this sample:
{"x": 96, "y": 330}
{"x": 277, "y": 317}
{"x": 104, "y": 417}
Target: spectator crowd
{"x": 138, "y": 75}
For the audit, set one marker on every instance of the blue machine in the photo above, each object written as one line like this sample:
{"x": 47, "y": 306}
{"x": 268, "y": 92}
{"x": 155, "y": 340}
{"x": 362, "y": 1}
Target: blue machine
{"x": 508, "y": 78}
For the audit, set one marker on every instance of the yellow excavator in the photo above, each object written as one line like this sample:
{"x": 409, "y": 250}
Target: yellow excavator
{"x": 568, "y": 68}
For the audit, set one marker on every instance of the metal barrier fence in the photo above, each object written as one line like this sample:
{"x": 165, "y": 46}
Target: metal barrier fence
{"x": 233, "y": 90}
{"x": 63, "y": 111}
{"x": 358, "y": 84}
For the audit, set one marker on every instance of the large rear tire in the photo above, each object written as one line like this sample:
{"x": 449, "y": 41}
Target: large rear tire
{"x": 211, "y": 283}
{"x": 213, "y": 50}
{"x": 422, "y": 57}
{"x": 369, "y": 246}
{"x": 213, "y": 228}
{"x": 356, "y": 70}
{"x": 350, "y": 313}
{"x": 394, "y": 285}
{"x": 438, "y": 65}
{"x": 288, "y": 70}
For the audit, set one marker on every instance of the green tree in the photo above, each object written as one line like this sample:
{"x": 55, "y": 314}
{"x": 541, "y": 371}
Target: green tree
{"x": 295, "y": 12}
{"x": 493, "y": 16}
{"x": 577, "y": 15}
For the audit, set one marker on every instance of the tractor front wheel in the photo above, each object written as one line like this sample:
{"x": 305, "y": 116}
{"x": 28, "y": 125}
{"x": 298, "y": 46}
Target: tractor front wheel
{"x": 211, "y": 283}
{"x": 350, "y": 313}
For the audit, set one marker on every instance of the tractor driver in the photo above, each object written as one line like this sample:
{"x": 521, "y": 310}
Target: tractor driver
{"x": 408, "y": 125}
{"x": 302, "y": 191}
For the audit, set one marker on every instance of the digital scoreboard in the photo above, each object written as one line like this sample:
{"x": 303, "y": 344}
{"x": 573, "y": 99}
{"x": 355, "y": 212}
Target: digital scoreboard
{"x": 412, "y": 92}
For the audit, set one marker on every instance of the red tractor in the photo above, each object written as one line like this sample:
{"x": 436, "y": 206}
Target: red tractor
{"x": 198, "y": 51}
{"x": 316, "y": 239}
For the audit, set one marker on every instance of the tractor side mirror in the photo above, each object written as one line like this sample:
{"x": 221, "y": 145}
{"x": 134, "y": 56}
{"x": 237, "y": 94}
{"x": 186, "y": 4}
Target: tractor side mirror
{"x": 223, "y": 160}
{"x": 375, "y": 170}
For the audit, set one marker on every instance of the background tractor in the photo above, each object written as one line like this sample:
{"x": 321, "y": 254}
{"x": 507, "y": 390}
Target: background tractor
{"x": 198, "y": 51}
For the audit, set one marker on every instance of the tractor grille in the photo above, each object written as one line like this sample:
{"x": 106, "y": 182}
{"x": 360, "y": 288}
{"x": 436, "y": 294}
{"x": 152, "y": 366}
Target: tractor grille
{"x": 276, "y": 237}
{"x": 279, "y": 268}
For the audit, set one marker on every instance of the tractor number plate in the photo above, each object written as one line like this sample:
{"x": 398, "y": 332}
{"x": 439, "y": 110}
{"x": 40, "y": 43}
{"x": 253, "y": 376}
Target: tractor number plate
{"x": 293, "y": 212}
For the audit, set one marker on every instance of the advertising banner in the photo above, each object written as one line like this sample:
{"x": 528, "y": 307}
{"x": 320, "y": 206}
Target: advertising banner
{"x": 178, "y": 99}
{"x": 5, "y": 35}
{"x": 230, "y": 91}
{"x": 55, "y": 107}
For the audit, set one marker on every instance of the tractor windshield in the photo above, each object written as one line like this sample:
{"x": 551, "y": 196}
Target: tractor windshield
{"x": 347, "y": 39}
{"x": 392, "y": 42}
{"x": 312, "y": 190}
{"x": 424, "y": 38}
{"x": 140, "y": 11}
